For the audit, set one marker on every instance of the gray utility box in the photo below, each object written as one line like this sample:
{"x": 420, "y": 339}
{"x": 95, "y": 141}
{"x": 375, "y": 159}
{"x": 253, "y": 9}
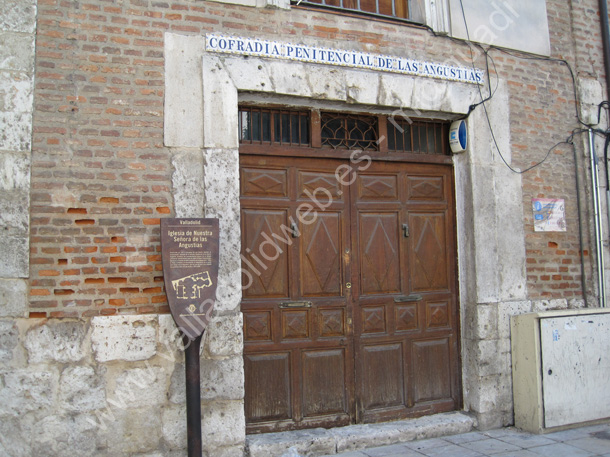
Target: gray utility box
{"x": 561, "y": 368}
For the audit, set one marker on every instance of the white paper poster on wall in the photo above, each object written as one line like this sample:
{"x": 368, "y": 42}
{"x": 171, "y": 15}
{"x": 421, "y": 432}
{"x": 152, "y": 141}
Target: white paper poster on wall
{"x": 549, "y": 214}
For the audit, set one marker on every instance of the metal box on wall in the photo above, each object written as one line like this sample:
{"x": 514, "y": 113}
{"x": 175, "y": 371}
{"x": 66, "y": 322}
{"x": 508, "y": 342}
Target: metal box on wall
{"x": 561, "y": 367}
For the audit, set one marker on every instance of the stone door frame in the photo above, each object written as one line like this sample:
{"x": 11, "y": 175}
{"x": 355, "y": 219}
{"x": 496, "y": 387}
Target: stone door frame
{"x": 202, "y": 92}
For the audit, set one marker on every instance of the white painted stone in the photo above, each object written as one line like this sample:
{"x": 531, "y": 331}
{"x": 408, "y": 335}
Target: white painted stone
{"x": 222, "y": 201}
{"x": 548, "y": 305}
{"x": 223, "y": 424}
{"x": 16, "y": 92}
{"x": 127, "y": 338}
{"x": 220, "y": 127}
{"x": 25, "y": 390}
{"x": 56, "y": 340}
{"x": 9, "y": 339}
{"x": 590, "y": 94}
{"x": 13, "y": 296}
{"x": 289, "y": 78}
{"x": 222, "y": 379}
{"x": 225, "y": 336}
{"x": 15, "y": 264}
{"x": 16, "y": 52}
{"x": 65, "y": 435}
{"x": 173, "y": 420}
{"x": 396, "y": 90}
{"x": 187, "y": 177}
{"x": 18, "y": 16}
{"x": 82, "y": 389}
{"x": 486, "y": 322}
{"x": 326, "y": 83}
{"x": 14, "y": 440}
{"x": 183, "y": 111}
{"x": 249, "y": 74}
{"x": 362, "y": 86}
{"x": 171, "y": 346}
{"x": 135, "y": 431}
{"x": 140, "y": 387}
{"x": 19, "y": 137}
{"x": 508, "y": 309}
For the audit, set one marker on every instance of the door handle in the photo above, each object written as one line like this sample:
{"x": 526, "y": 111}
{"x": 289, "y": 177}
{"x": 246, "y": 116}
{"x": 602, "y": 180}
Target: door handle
{"x": 295, "y": 304}
{"x": 408, "y": 298}
{"x": 405, "y": 230}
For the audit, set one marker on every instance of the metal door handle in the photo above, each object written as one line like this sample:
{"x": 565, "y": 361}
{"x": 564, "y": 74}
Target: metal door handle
{"x": 408, "y": 298}
{"x": 295, "y": 304}
{"x": 405, "y": 230}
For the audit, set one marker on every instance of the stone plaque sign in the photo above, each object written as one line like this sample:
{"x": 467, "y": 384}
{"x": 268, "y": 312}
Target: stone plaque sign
{"x": 189, "y": 248}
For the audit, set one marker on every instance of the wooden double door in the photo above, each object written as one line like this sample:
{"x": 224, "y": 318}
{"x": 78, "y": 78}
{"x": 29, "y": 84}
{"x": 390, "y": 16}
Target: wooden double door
{"x": 349, "y": 300}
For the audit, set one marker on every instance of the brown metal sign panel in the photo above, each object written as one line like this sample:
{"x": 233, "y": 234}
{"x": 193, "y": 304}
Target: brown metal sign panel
{"x": 189, "y": 248}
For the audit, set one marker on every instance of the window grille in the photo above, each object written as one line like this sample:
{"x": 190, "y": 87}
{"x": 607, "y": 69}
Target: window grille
{"x": 389, "y": 8}
{"x": 418, "y": 137}
{"x": 269, "y": 126}
{"x": 347, "y": 131}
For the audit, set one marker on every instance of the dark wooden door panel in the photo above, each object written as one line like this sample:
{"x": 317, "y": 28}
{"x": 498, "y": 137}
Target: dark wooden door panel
{"x": 351, "y": 313}
{"x": 431, "y": 375}
{"x": 383, "y": 381}
{"x": 379, "y": 252}
{"x": 324, "y": 379}
{"x": 266, "y": 268}
{"x": 268, "y": 386}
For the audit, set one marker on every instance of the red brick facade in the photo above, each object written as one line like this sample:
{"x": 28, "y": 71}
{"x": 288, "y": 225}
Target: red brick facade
{"x": 101, "y": 176}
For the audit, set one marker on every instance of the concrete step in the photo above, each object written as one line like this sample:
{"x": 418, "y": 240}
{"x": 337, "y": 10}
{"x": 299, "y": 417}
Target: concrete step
{"x": 320, "y": 441}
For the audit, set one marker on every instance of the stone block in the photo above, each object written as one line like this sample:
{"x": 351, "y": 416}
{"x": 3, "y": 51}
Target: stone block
{"x": 18, "y": 16}
{"x": 127, "y": 338}
{"x": 486, "y": 322}
{"x": 16, "y": 92}
{"x": 186, "y": 181}
{"x": 56, "y": 340}
{"x": 223, "y": 424}
{"x": 326, "y": 83}
{"x": 15, "y": 264}
{"x": 549, "y": 305}
{"x": 58, "y": 435}
{"x": 183, "y": 113}
{"x": 139, "y": 388}
{"x": 9, "y": 339}
{"x": 26, "y": 390}
{"x": 315, "y": 441}
{"x": 288, "y": 78}
{"x": 177, "y": 385}
{"x": 362, "y": 87}
{"x": 16, "y": 54}
{"x": 171, "y": 346}
{"x": 224, "y": 336}
{"x": 228, "y": 451}
{"x": 222, "y": 201}
{"x": 173, "y": 420}
{"x": 222, "y": 379}
{"x": 14, "y": 440}
{"x": 396, "y": 90}
{"x": 135, "y": 431}
{"x": 220, "y": 126}
{"x": 249, "y": 75}
{"x": 82, "y": 388}
{"x": 508, "y": 309}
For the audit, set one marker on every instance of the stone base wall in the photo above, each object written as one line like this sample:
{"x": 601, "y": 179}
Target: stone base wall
{"x": 114, "y": 386}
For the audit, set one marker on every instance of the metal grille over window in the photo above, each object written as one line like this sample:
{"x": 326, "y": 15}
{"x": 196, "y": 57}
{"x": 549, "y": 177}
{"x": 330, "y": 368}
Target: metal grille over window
{"x": 346, "y": 131}
{"x": 391, "y": 8}
{"x": 268, "y": 126}
{"x": 418, "y": 137}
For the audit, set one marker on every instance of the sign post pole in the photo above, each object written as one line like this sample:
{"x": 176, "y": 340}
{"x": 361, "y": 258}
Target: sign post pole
{"x": 189, "y": 248}
{"x": 193, "y": 396}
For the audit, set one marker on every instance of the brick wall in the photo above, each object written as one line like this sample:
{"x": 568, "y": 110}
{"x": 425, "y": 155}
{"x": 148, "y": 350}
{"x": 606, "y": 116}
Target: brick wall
{"x": 101, "y": 177}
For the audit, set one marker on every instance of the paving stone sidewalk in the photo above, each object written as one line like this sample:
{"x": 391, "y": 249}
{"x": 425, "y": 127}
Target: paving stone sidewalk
{"x": 506, "y": 442}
